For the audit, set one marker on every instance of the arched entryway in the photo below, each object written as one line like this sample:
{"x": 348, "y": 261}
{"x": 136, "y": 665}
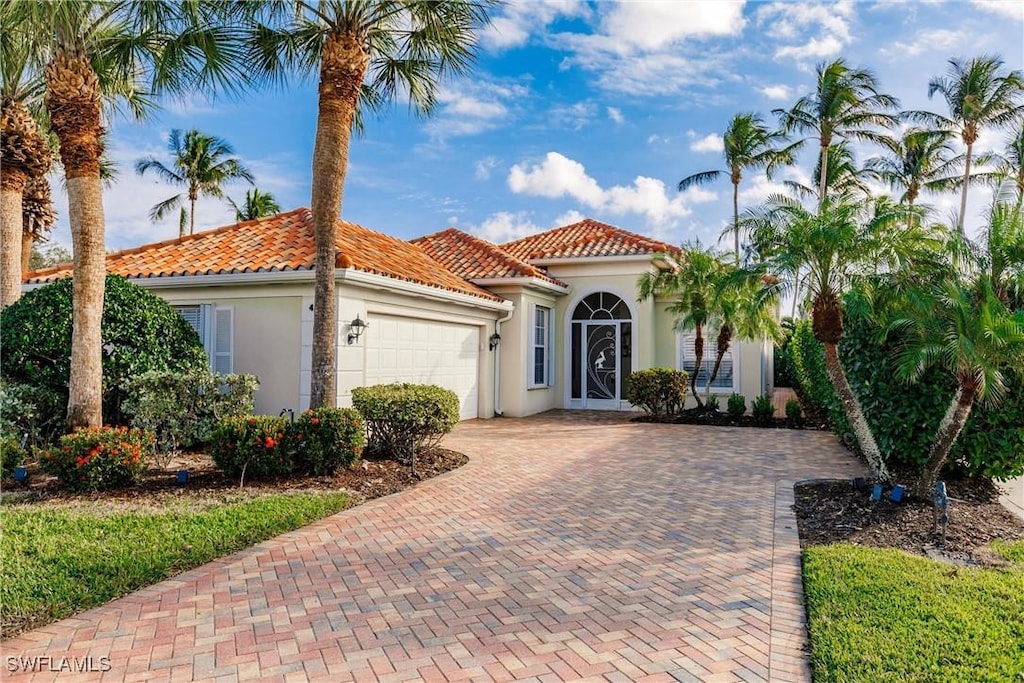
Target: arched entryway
{"x": 601, "y": 347}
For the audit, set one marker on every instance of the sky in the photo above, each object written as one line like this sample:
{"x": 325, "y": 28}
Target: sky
{"x": 576, "y": 109}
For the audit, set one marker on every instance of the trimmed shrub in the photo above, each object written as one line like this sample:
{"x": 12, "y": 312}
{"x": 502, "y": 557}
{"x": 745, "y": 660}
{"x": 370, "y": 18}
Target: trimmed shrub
{"x": 737, "y": 405}
{"x": 254, "y": 446}
{"x": 658, "y": 391}
{"x": 762, "y": 409}
{"x": 712, "y": 403}
{"x": 404, "y": 418}
{"x": 140, "y": 332}
{"x": 327, "y": 439}
{"x": 183, "y": 408}
{"x": 98, "y": 458}
{"x": 794, "y": 413}
{"x": 12, "y": 455}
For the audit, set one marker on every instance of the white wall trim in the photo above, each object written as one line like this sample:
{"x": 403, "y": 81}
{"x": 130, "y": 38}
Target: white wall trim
{"x": 584, "y": 260}
{"x": 534, "y": 282}
{"x": 630, "y": 301}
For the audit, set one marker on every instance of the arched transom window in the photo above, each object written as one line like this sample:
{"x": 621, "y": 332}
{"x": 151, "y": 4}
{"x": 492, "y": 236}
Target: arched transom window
{"x": 601, "y": 306}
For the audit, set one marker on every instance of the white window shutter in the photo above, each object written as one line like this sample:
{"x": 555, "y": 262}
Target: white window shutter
{"x": 221, "y": 359}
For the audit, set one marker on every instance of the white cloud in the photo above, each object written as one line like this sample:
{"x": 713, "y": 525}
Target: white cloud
{"x": 654, "y": 25}
{"x": 1011, "y": 9}
{"x": 808, "y": 30}
{"x": 472, "y": 107}
{"x": 574, "y": 116}
{"x": 711, "y": 142}
{"x": 514, "y": 26}
{"x": 776, "y": 92}
{"x": 656, "y": 139}
{"x": 568, "y": 218}
{"x": 484, "y": 167}
{"x": 932, "y": 40}
{"x": 756, "y": 188}
{"x": 558, "y": 176}
{"x": 615, "y": 114}
{"x": 504, "y": 227}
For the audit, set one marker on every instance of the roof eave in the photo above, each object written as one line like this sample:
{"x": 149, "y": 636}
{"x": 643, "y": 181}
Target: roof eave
{"x": 535, "y": 282}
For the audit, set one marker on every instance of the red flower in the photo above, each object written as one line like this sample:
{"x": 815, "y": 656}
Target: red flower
{"x": 314, "y": 421}
{"x": 269, "y": 443}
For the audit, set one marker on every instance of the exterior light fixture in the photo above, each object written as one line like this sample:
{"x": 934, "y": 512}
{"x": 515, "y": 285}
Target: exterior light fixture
{"x": 493, "y": 341}
{"x": 355, "y": 330}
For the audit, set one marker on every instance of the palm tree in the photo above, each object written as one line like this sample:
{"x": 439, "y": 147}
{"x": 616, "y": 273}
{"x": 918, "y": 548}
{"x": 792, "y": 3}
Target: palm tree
{"x": 845, "y": 239}
{"x": 748, "y": 144}
{"x": 24, "y": 149}
{"x": 1009, "y": 162}
{"x": 1000, "y": 256}
{"x": 917, "y": 160}
{"x": 692, "y": 286}
{"x": 842, "y": 175}
{"x": 85, "y": 48}
{"x": 966, "y": 329}
{"x": 744, "y": 308}
{"x": 367, "y": 53}
{"x": 257, "y": 205}
{"x": 978, "y": 96}
{"x": 845, "y": 104}
{"x": 202, "y": 164}
{"x": 38, "y": 216}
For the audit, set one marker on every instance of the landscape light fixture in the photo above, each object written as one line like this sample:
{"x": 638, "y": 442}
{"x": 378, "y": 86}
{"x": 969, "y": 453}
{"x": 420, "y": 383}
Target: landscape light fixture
{"x": 355, "y": 330}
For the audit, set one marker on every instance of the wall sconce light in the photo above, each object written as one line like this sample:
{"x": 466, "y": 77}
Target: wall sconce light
{"x": 355, "y": 330}
{"x": 493, "y": 341}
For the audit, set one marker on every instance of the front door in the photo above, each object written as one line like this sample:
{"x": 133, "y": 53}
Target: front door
{"x": 601, "y": 356}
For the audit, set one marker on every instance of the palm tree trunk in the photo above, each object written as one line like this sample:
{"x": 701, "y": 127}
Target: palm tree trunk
{"x": 27, "y": 240}
{"x": 698, "y": 355}
{"x": 73, "y": 100}
{"x": 192, "y": 217}
{"x": 343, "y": 65}
{"x": 12, "y": 184}
{"x": 853, "y": 411}
{"x": 963, "y": 192}
{"x": 736, "y": 219}
{"x": 721, "y": 347}
{"x": 949, "y": 429}
{"x": 823, "y": 180}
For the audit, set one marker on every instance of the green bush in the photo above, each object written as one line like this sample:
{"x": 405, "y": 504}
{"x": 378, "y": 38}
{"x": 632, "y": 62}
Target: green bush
{"x": 737, "y": 405}
{"x": 904, "y": 418}
{"x": 762, "y": 409}
{"x": 327, "y": 439}
{"x": 183, "y": 408}
{"x": 99, "y": 458}
{"x": 658, "y": 391}
{"x": 404, "y": 418}
{"x": 784, "y": 369}
{"x": 794, "y": 413}
{"x": 140, "y": 332}
{"x": 32, "y": 412}
{"x": 254, "y": 446}
{"x": 12, "y": 455}
{"x": 712, "y": 403}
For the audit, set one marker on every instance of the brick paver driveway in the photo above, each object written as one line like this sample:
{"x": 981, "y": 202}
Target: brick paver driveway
{"x": 572, "y": 546}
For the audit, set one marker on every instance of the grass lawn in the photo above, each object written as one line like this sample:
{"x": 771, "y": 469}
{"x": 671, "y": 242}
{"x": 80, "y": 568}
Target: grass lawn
{"x": 59, "y": 560}
{"x": 883, "y": 615}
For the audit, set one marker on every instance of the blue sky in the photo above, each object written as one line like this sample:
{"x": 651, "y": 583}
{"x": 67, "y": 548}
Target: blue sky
{"x": 576, "y": 109}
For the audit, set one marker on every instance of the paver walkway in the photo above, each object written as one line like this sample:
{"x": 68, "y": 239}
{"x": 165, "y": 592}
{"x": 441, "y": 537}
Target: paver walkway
{"x": 573, "y": 545}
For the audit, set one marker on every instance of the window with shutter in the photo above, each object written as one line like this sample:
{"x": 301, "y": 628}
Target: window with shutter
{"x": 215, "y": 327}
{"x": 687, "y": 360}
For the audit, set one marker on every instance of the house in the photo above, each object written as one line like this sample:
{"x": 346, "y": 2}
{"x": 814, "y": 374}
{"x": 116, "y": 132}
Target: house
{"x": 548, "y": 321}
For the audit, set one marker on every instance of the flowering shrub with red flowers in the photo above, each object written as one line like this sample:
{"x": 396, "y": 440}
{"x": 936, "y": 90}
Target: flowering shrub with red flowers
{"x": 254, "y": 446}
{"x": 327, "y": 439}
{"x": 97, "y": 458}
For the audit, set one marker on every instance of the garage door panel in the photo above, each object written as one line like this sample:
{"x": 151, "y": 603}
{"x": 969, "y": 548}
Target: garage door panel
{"x": 425, "y": 352}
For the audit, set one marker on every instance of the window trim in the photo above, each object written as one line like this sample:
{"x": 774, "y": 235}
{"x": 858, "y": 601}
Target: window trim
{"x": 709, "y": 340}
{"x": 549, "y": 344}
{"x": 207, "y": 331}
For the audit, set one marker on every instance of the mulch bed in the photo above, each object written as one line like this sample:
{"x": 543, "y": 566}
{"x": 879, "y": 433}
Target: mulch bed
{"x": 698, "y": 416}
{"x": 369, "y": 478}
{"x": 835, "y": 512}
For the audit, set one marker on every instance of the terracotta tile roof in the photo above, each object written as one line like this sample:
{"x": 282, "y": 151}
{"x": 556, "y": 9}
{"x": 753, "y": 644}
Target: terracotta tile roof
{"x": 587, "y": 238}
{"x": 473, "y": 258}
{"x": 276, "y": 243}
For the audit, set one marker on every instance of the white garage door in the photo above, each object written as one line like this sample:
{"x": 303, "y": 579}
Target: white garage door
{"x": 425, "y": 352}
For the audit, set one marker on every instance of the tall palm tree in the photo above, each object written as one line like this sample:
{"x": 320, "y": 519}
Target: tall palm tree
{"x": 963, "y": 327}
{"x": 979, "y": 94}
{"x": 917, "y": 160}
{"x": 24, "y": 150}
{"x": 366, "y": 53}
{"x": 842, "y": 175}
{"x": 1009, "y": 162}
{"x": 692, "y": 288}
{"x": 846, "y": 104}
{"x": 748, "y": 144}
{"x": 836, "y": 245}
{"x": 257, "y": 205}
{"x": 85, "y": 48}
{"x": 201, "y": 164}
